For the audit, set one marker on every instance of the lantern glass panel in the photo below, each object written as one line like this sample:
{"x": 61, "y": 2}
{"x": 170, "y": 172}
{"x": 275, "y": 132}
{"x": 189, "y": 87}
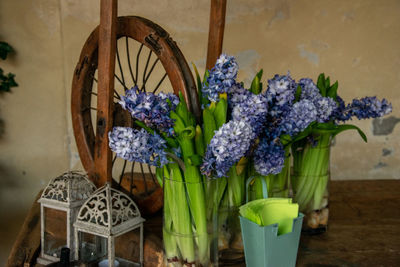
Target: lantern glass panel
{"x": 127, "y": 248}
{"x": 92, "y": 248}
{"x": 55, "y": 231}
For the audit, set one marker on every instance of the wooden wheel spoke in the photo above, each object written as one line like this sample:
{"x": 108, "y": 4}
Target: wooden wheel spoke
{"x": 137, "y": 63}
{"x": 121, "y": 176}
{"x": 132, "y": 185}
{"x": 150, "y": 71}
{"x": 121, "y": 82}
{"x": 151, "y": 173}
{"x": 143, "y": 88}
{"x": 116, "y": 95}
{"x": 129, "y": 60}
{"x": 160, "y": 82}
{"x": 119, "y": 64}
{"x": 113, "y": 161}
{"x": 143, "y": 177}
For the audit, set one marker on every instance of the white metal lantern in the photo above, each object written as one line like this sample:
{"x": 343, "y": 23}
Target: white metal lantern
{"x": 59, "y": 206}
{"x": 105, "y": 230}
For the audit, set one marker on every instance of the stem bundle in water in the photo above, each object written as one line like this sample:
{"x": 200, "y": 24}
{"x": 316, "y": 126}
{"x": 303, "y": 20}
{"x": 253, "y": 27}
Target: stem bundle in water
{"x": 311, "y": 172}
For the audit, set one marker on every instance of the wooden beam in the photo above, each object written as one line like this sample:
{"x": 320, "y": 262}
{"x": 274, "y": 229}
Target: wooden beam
{"x": 216, "y": 31}
{"x": 26, "y": 247}
{"x": 105, "y": 90}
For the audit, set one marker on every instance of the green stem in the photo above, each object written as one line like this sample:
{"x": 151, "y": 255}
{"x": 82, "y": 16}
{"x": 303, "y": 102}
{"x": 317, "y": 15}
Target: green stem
{"x": 311, "y": 172}
{"x": 178, "y": 210}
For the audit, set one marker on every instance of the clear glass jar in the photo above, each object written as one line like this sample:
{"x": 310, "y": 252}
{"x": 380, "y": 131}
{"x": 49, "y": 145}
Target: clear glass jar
{"x": 189, "y": 226}
{"x": 310, "y": 181}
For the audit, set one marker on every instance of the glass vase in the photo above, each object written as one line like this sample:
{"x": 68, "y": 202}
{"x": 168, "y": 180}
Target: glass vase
{"x": 277, "y": 184}
{"x": 189, "y": 228}
{"x": 310, "y": 180}
{"x": 230, "y": 197}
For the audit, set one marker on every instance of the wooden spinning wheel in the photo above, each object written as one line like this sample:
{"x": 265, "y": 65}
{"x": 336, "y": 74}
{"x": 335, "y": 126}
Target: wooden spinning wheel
{"x": 93, "y": 80}
{"x": 155, "y": 52}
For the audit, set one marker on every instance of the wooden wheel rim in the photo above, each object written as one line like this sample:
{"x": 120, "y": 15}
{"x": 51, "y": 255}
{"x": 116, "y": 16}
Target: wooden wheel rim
{"x": 156, "y": 39}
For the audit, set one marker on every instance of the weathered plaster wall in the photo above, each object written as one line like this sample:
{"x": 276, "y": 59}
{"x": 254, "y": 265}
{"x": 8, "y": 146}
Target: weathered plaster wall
{"x": 355, "y": 42}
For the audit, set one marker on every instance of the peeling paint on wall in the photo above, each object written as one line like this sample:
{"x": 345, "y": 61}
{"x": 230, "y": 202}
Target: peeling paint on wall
{"x": 310, "y": 56}
{"x": 386, "y": 152}
{"x": 380, "y": 165}
{"x": 384, "y": 126}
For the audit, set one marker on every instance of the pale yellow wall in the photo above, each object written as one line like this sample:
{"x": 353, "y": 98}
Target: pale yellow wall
{"x": 355, "y": 42}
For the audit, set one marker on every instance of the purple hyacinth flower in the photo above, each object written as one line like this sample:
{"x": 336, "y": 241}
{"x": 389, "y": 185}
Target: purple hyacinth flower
{"x": 269, "y": 157}
{"x": 229, "y": 144}
{"x": 222, "y": 77}
{"x": 153, "y": 110}
{"x": 138, "y": 145}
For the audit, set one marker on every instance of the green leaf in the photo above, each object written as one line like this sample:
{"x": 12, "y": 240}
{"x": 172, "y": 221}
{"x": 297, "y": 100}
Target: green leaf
{"x": 346, "y": 127}
{"x": 198, "y": 79}
{"x": 321, "y": 84}
{"x": 159, "y": 175}
{"x": 336, "y": 129}
{"x": 199, "y": 141}
{"x": 256, "y": 86}
{"x": 298, "y": 93}
{"x": 220, "y": 112}
{"x": 209, "y": 126}
{"x": 189, "y": 132}
{"x": 195, "y": 160}
{"x": 7, "y": 81}
{"x": 332, "y": 92}
{"x": 5, "y": 49}
{"x": 184, "y": 113}
{"x": 179, "y": 124}
{"x": 206, "y": 75}
{"x": 327, "y": 83}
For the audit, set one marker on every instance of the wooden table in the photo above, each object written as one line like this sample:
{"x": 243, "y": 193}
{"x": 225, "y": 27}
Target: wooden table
{"x": 364, "y": 229}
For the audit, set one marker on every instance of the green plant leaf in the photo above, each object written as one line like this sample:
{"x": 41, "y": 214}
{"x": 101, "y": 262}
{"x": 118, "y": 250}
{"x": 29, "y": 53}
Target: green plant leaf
{"x": 199, "y": 141}
{"x": 7, "y": 81}
{"x": 256, "y": 86}
{"x": 346, "y": 127}
{"x": 336, "y": 129}
{"x": 220, "y": 112}
{"x": 195, "y": 160}
{"x": 332, "y": 92}
{"x": 327, "y": 83}
{"x": 209, "y": 126}
{"x": 321, "y": 84}
{"x": 5, "y": 49}
{"x": 298, "y": 93}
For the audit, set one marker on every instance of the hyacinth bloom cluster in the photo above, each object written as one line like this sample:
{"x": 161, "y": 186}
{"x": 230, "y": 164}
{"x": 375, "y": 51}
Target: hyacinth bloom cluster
{"x": 138, "y": 145}
{"x": 299, "y": 117}
{"x": 325, "y": 105}
{"x": 269, "y": 157}
{"x": 253, "y": 110}
{"x": 153, "y": 110}
{"x": 280, "y": 94}
{"x": 367, "y": 107}
{"x": 237, "y": 94}
{"x": 229, "y": 144}
{"x": 222, "y": 77}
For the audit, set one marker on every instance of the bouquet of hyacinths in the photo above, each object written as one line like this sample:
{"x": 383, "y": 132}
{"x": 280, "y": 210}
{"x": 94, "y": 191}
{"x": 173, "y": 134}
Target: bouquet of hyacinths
{"x": 164, "y": 137}
{"x": 254, "y": 142}
{"x": 185, "y": 153}
{"x": 311, "y": 150}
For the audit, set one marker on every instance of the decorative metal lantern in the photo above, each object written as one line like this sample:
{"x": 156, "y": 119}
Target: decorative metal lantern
{"x": 107, "y": 228}
{"x": 59, "y": 206}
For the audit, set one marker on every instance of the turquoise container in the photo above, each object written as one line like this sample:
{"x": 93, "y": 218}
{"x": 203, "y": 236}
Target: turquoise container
{"x": 263, "y": 246}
